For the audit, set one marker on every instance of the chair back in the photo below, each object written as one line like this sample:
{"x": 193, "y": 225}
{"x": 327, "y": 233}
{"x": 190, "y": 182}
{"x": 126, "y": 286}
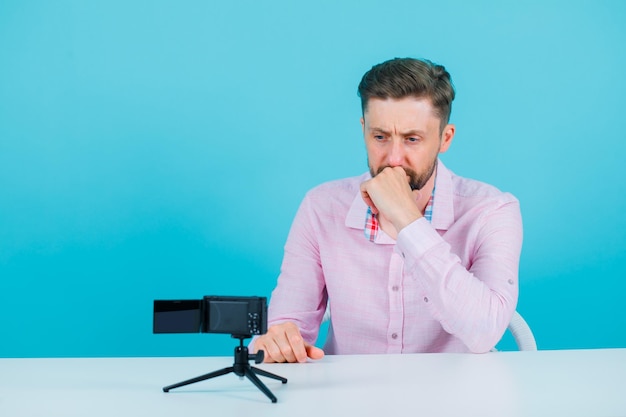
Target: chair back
{"x": 521, "y": 332}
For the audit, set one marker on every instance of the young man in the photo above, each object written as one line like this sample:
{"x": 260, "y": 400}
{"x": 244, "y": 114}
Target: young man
{"x": 409, "y": 257}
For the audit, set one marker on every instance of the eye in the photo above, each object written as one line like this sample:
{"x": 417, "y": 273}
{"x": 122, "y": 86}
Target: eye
{"x": 379, "y": 137}
{"x": 412, "y": 140}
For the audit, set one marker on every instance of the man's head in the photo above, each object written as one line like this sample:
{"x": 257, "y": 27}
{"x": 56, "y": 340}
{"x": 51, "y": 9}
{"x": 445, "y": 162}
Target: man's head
{"x": 409, "y": 77}
{"x": 406, "y": 106}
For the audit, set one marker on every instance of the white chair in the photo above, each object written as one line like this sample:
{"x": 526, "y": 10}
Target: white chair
{"x": 521, "y": 332}
{"x": 518, "y": 327}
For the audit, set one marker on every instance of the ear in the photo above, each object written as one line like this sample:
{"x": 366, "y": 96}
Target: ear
{"x": 363, "y": 125}
{"x": 446, "y": 138}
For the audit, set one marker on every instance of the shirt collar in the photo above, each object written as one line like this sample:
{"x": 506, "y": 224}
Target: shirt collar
{"x": 443, "y": 206}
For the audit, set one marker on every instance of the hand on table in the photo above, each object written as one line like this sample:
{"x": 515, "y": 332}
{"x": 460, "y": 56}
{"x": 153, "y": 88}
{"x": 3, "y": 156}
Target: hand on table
{"x": 284, "y": 343}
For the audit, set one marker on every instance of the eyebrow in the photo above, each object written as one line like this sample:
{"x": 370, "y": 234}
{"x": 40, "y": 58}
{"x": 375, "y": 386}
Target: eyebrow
{"x": 412, "y": 132}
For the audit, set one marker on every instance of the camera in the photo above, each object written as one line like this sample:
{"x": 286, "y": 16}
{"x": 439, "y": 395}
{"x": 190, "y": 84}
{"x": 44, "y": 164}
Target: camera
{"x": 242, "y": 317}
{"x": 238, "y": 316}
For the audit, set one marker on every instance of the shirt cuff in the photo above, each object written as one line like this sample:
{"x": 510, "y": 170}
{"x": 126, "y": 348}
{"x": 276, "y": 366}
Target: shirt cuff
{"x": 417, "y": 239}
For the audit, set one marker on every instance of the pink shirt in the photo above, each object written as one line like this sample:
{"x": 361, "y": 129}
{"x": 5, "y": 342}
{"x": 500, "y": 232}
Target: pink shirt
{"x": 446, "y": 286}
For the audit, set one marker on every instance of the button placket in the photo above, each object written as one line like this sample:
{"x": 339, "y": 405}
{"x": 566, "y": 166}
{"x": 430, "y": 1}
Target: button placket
{"x": 396, "y": 308}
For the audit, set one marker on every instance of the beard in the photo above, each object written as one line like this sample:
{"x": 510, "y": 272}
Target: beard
{"x": 417, "y": 181}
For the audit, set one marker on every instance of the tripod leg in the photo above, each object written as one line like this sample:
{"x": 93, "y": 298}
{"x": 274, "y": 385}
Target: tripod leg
{"x": 269, "y": 374}
{"x": 213, "y": 374}
{"x": 260, "y": 385}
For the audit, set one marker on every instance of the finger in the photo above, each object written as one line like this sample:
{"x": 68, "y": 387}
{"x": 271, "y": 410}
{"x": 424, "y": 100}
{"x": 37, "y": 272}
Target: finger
{"x": 399, "y": 171}
{"x": 288, "y": 344}
{"x": 267, "y": 355}
{"x": 296, "y": 344}
{"x": 273, "y": 351}
{"x": 367, "y": 199}
{"x": 314, "y": 352}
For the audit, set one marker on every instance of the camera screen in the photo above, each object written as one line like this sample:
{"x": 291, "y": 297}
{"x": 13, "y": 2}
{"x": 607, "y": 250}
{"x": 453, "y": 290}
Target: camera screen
{"x": 228, "y": 317}
{"x": 177, "y": 316}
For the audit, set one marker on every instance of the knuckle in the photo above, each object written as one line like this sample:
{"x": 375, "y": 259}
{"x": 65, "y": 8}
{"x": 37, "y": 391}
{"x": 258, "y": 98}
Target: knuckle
{"x": 295, "y": 338}
{"x": 286, "y": 351}
{"x": 274, "y": 354}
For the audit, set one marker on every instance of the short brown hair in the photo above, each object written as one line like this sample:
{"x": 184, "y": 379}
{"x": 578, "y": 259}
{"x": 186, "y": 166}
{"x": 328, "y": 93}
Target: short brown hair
{"x": 409, "y": 77}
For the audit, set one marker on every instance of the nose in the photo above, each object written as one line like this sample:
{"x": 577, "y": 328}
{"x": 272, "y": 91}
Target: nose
{"x": 396, "y": 154}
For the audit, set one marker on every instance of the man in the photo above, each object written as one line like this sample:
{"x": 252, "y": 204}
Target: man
{"x": 409, "y": 257}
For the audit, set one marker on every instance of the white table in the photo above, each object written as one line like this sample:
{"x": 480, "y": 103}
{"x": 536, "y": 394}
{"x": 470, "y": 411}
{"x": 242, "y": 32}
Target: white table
{"x": 545, "y": 383}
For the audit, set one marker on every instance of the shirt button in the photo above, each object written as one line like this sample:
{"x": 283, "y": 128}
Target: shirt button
{"x": 425, "y": 299}
{"x": 394, "y": 336}
{"x": 394, "y": 288}
{"x": 511, "y": 281}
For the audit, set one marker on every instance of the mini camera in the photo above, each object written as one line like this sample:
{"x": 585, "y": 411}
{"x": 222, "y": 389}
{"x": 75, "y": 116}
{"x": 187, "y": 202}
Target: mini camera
{"x": 238, "y": 316}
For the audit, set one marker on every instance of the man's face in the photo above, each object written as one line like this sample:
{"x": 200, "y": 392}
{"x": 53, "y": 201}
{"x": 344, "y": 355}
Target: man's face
{"x": 404, "y": 132}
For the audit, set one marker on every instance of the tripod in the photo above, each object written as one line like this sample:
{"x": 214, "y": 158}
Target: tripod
{"x": 241, "y": 368}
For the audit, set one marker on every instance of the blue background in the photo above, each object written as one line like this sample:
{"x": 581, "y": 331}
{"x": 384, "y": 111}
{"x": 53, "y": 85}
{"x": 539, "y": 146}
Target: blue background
{"x": 160, "y": 149}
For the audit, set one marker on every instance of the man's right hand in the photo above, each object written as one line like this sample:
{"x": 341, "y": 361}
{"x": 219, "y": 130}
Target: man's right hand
{"x": 284, "y": 343}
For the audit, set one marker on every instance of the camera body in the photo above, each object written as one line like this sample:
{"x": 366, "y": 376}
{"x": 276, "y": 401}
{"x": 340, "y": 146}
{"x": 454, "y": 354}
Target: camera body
{"x": 238, "y": 316}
